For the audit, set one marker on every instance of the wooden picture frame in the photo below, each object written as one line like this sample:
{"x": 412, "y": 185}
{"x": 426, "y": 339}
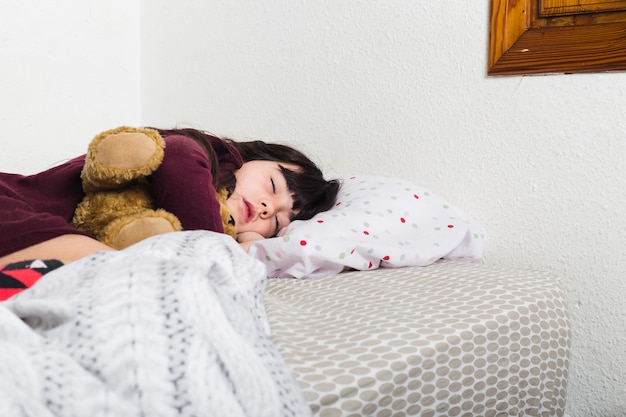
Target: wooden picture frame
{"x": 523, "y": 42}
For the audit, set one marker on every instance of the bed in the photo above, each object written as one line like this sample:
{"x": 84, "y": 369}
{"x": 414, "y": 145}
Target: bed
{"x": 379, "y": 307}
{"x": 450, "y": 339}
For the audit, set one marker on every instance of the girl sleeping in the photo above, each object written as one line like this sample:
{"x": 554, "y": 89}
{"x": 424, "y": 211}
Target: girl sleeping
{"x": 268, "y": 186}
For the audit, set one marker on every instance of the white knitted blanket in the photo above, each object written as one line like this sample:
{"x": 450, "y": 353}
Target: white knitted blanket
{"x": 173, "y": 326}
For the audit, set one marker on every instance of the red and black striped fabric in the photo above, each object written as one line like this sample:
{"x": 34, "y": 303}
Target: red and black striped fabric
{"x": 18, "y": 276}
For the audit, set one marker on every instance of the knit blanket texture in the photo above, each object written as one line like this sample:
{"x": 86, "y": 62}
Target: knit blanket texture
{"x": 172, "y": 326}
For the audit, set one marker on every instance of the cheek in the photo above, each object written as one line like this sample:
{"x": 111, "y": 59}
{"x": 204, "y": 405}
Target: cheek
{"x": 231, "y": 205}
{"x": 235, "y": 206}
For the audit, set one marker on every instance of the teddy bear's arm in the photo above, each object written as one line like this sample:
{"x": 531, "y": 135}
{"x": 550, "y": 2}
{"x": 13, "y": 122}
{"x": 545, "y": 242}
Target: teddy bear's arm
{"x": 183, "y": 185}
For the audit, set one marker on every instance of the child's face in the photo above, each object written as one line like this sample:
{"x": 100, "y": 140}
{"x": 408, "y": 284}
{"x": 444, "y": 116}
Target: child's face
{"x": 261, "y": 202}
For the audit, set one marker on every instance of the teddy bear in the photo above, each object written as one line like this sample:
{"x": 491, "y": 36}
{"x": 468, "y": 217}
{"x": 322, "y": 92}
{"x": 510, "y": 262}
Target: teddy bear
{"x": 118, "y": 208}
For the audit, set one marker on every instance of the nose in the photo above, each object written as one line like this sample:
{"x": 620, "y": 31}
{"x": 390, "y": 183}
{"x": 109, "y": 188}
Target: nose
{"x": 266, "y": 210}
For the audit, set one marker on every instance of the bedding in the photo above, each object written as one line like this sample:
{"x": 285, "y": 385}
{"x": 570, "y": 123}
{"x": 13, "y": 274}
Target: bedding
{"x": 173, "y": 326}
{"x": 376, "y": 222}
{"x": 450, "y": 339}
{"x": 187, "y": 324}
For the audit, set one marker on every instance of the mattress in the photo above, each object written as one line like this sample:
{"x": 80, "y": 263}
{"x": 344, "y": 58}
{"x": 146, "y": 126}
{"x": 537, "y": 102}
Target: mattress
{"x": 450, "y": 339}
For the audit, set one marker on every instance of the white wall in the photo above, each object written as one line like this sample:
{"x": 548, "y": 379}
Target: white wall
{"x": 399, "y": 88}
{"x": 396, "y": 88}
{"x": 68, "y": 69}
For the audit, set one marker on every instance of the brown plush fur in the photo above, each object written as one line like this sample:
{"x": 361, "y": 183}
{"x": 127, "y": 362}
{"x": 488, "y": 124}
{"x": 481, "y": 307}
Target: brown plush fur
{"x": 118, "y": 208}
{"x": 119, "y": 156}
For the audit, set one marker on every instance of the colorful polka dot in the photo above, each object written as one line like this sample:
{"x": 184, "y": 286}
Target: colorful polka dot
{"x": 375, "y": 218}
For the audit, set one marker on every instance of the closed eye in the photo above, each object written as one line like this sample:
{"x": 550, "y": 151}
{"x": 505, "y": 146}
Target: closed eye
{"x": 275, "y": 217}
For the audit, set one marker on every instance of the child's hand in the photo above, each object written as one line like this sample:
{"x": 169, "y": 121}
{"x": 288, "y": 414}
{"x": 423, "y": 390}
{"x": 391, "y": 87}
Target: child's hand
{"x": 245, "y": 239}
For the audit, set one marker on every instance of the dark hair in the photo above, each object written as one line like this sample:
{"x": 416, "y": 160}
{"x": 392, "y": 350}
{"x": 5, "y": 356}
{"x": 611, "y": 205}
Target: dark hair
{"x": 311, "y": 193}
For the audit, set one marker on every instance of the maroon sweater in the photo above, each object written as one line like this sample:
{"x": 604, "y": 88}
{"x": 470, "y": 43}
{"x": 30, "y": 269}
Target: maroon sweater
{"x": 39, "y": 207}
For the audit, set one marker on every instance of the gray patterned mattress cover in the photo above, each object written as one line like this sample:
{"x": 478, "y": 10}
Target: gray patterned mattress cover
{"x": 450, "y": 339}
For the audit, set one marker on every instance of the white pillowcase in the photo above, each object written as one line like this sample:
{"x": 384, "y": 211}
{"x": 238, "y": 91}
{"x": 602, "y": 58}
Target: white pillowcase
{"x": 376, "y": 222}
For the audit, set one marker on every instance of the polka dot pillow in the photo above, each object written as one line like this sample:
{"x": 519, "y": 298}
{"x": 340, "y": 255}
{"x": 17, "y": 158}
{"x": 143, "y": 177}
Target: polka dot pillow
{"x": 376, "y": 222}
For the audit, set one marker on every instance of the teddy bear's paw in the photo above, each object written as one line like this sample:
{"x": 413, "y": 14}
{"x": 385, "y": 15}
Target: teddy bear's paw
{"x": 121, "y": 155}
{"x": 129, "y": 230}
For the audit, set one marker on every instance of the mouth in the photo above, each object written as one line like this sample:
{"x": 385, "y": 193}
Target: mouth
{"x": 248, "y": 211}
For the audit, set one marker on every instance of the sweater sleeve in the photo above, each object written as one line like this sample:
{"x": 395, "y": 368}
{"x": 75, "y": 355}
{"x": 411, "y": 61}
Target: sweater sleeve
{"x": 183, "y": 185}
